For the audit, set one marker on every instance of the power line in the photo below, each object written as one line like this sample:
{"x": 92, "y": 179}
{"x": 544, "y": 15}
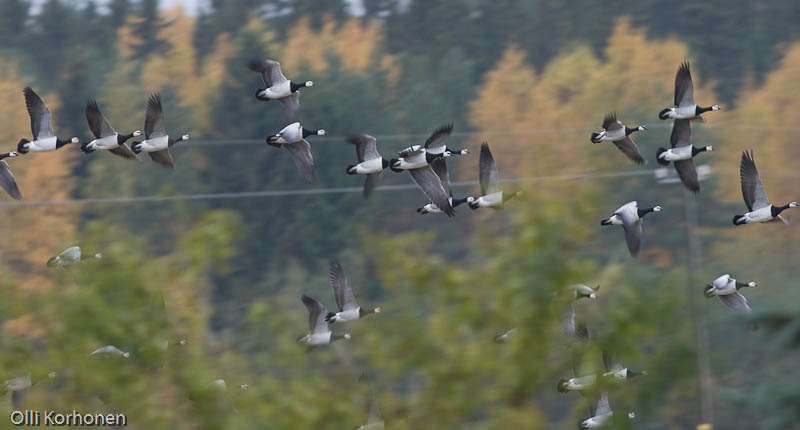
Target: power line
{"x": 332, "y": 190}
{"x": 301, "y": 192}
{"x": 502, "y": 133}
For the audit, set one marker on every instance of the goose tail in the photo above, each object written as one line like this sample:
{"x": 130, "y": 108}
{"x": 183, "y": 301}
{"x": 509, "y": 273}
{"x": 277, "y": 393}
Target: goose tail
{"x": 738, "y": 220}
{"x": 350, "y": 170}
{"x": 595, "y": 138}
{"x": 660, "y": 160}
{"x": 562, "y": 386}
{"x": 605, "y": 222}
{"x": 330, "y": 318}
{"x": 663, "y": 114}
{"x": 21, "y": 146}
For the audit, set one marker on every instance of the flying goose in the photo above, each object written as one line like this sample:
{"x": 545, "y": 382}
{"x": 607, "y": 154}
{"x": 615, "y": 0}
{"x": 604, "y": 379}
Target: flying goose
{"x": 727, "y": 289}
{"x": 156, "y": 143}
{"x": 440, "y": 168}
{"x": 435, "y": 143}
{"x": 319, "y": 333}
{"x": 44, "y": 139}
{"x": 278, "y": 87}
{"x": 110, "y": 351}
{"x": 682, "y": 153}
{"x": 70, "y": 256}
{"x": 374, "y": 420}
{"x": 615, "y": 371}
{"x": 504, "y": 337}
{"x": 370, "y": 162}
{"x": 602, "y": 416}
{"x": 492, "y": 195}
{"x": 685, "y": 107}
{"x": 19, "y": 385}
{"x": 761, "y": 210}
{"x": 107, "y": 137}
{"x": 7, "y": 180}
{"x": 585, "y": 291}
{"x": 629, "y": 216}
{"x": 616, "y": 132}
{"x": 293, "y": 137}
{"x": 349, "y": 310}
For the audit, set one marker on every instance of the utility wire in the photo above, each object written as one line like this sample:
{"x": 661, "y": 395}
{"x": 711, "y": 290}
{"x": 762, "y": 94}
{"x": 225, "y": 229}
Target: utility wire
{"x": 301, "y": 192}
{"x": 499, "y": 133}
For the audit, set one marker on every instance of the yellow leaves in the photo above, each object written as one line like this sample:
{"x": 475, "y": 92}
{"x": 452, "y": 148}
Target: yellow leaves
{"x": 354, "y": 43}
{"x": 176, "y": 66}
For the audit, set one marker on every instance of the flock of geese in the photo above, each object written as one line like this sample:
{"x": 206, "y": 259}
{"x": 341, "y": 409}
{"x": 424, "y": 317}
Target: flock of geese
{"x": 426, "y": 164}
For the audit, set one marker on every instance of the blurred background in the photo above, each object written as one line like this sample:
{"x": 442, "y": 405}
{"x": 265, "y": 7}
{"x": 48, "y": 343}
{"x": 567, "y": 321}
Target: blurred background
{"x": 225, "y": 271}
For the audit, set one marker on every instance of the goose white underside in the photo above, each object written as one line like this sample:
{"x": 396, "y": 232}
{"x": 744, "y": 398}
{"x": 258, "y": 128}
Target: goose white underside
{"x": 155, "y": 144}
{"x": 42, "y": 145}
{"x": 317, "y": 339}
{"x": 348, "y": 315}
{"x": 598, "y": 421}
{"x": 759, "y": 215}
{"x": 107, "y": 142}
{"x": 493, "y": 199}
{"x": 683, "y": 112}
{"x": 278, "y": 91}
{"x": 677, "y": 154}
{"x": 369, "y": 166}
{"x": 411, "y": 163}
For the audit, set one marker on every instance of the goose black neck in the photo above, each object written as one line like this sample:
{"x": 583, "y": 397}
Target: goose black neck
{"x": 122, "y": 138}
{"x": 453, "y": 151}
{"x": 700, "y": 110}
{"x": 629, "y": 131}
{"x": 643, "y": 212}
{"x": 308, "y": 132}
{"x": 696, "y": 150}
{"x": 776, "y": 210}
{"x": 6, "y": 155}
{"x": 457, "y": 202}
{"x": 294, "y": 87}
{"x": 740, "y": 285}
{"x": 385, "y": 163}
{"x": 60, "y": 143}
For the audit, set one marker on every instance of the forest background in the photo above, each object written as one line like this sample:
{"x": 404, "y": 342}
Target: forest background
{"x": 532, "y": 78}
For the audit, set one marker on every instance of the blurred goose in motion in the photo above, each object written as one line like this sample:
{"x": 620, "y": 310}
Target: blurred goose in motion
{"x": 349, "y": 310}
{"x": 319, "y": 333}
{"x": 374, "y": 420}
{"x": 491, "y": 194}
{"x": 7, "y": 180}
{"x": 293, "y": 137}
{"x": 629, "y": 216}
{"x": 615, "y": 371}
{"x": 616, "y": 132}
{"x": 761, "y": 210}
{"x": 727, "y": 289}
{"x": 440, "y": 168}
{"x": 682, "y": 153}
{"x": 435, "y": 143}
{"x": 44, "y": 139}
{"x": 110, "y": 351}
{"x": 585, "y": 291}
{"x": 19, "y": 385}
{"x": 106, "y": 136}
{"x": 156, "y": 143}
{"x": 685, "y": 107}
{"x": 278, "y": 87}
{"x": 370, "y": 162}
{"x": 602, "y": 416}
{"x": 70, "y": 256}
{"x": 506, "y": 336}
